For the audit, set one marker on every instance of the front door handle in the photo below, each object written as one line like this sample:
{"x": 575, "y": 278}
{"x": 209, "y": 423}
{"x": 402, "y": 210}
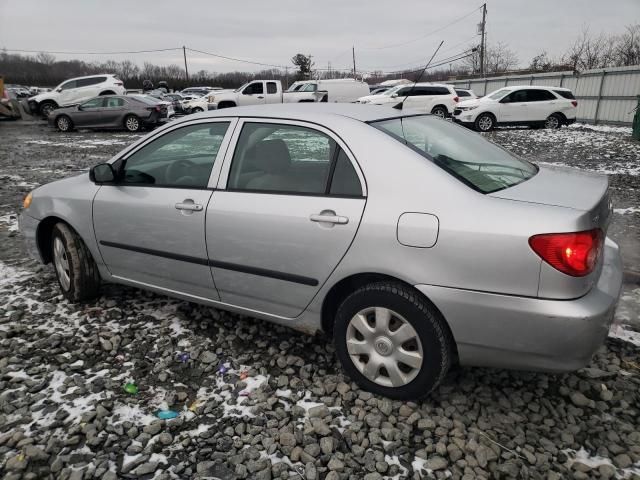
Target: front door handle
{"x": 189, "y": 205}
{"x": 260, "y": 96}
{"x": 329, "y": 217}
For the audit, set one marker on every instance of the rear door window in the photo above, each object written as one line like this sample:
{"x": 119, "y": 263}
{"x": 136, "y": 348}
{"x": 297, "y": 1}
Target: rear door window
{"x": 272, "y": 87}
{"x": 535, "y": 95}
{"x": 271, "y": 157}
{"x": 345, "y": 181}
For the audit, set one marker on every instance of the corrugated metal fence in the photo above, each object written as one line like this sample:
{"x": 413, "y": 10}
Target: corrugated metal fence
{"x": 606, "y": 95}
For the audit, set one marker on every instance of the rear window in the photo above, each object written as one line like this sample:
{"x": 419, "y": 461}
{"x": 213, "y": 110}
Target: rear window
{"x": 470, "y": 158}
{"x": 463, "y": 93}
{"x": 566, "y": 94}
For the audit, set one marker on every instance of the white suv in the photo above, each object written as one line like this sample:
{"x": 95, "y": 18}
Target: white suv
{"x": 74, "y": 91}
{"x": 534, "y": 106}
{"x": 436, "y": 98}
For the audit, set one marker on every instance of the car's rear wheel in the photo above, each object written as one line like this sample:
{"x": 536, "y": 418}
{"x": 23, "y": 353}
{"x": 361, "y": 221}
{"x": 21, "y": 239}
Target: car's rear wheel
{"x": 553, "y": 121}
{"x": 392, "y": 341}
{"x": 485, "y": 122}
{"x": 440, "y": 111}
{"x": 77, "y": 273}
{"x": 46, "y": 108}
{"x": 64, "y": 123}
{"x": 132, "y": 123}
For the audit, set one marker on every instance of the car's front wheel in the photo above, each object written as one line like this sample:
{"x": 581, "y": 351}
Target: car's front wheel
{"x": 392, "y": 341}
{"x": 46, "y": 108}
{"x": 485, "y": 122}
{"x": 132, "y": 123}
{"x": 77, "y": 273}
{"x": 197, "y": 110}
{"x": 64, "y": 123}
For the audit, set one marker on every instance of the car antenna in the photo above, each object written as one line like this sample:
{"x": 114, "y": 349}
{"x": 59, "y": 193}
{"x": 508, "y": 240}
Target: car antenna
{"x": 399, "y": 106}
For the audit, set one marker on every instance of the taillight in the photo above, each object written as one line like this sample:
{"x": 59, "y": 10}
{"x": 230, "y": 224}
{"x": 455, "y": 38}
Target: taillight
{"x": 154, "y": 109}
{"x": 575, "y": 254}
{"x": 456, "y": 99}
{"x": 119, "y": 84}
{"x": 574, "y": 103}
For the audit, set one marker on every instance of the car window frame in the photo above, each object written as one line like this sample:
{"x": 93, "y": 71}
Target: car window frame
{"x": 218, "y": 162}
{"x": 231, "y": 149}
{"x": 91, "y": 100}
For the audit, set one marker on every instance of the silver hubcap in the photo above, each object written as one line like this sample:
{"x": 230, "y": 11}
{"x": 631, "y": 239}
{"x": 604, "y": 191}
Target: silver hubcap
{"x": 439, "y": 112}
{"x": 485, "y": 123}
{"x": 63, "y": 123}
{"x": 384, "y": 347}
{"x": 132, "y": 123}
{"x": 61, "y": 261}
{"x": 551, "y": 122}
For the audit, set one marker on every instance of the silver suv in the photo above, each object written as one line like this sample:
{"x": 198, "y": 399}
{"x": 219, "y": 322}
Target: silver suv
{"x": 75, "y": 91}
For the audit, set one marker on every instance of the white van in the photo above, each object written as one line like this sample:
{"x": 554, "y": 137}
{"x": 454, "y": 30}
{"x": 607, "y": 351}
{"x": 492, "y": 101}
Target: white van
{"x": 336, "y": 90}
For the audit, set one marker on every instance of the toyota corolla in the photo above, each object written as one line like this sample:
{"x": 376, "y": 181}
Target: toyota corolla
{"x": 412, "y": 241}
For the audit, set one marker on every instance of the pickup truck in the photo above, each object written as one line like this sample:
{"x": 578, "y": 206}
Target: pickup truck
{"x": 257, "y": 92}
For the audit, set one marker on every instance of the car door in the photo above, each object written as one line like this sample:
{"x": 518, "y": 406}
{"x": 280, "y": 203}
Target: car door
{"x": 86, "y": 88}
{"x": 542, "y": 103}
{"x": 514, "y": 107}
{"x": 150, "y": 224}
{"x": 89, "y": 113}
{"x": 66, "y": 95}
{"x": 252, "y": 94}
{"x": 278, "y": 223}
{"x": 273, "y": 95}
{"x": 112, "y": 112}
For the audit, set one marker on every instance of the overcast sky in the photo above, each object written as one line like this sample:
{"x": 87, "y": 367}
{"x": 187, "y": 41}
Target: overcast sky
{"x": 273, "y": 31}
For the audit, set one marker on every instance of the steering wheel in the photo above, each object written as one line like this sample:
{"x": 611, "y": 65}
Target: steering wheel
{"x": 178, "y": 169}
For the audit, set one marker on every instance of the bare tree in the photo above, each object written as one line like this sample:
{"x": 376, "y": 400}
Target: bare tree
{"x": 627, "y": 47}
{"x": 589, "y": 51}
{"x": 499, "y": 58}
{"x": 541, "y": 62}
{"x": 45, "y": 58}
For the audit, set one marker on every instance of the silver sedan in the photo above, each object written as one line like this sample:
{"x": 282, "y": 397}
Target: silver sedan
{"x": 412, "y": 241}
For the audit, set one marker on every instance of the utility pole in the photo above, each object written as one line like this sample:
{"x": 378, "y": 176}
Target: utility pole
{"x": 482, "y": 44}
{"x": 353, "y": 51}
{"x": 310, "y": 73}
{"x": 286, "y": 76}
{"x": 186, "y": 70}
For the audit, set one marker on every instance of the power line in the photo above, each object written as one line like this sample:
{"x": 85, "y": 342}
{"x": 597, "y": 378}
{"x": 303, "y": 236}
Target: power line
{"x": 236, "y": 59}
{"x": 416, "y": 61}
{"x": 426, "y": 34}
{"x": 89, "y": 53}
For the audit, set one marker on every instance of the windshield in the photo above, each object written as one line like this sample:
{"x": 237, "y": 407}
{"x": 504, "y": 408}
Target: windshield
{"x": 498, "y": 94}
{"x": 146, "y": 99}
{"x": 241, "y": 87}
{"x": 392, "y": 90}
{"x": 466, "y": 155}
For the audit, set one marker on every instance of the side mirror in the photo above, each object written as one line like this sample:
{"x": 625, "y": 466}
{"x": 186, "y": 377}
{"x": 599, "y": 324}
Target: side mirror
{"x": 58, "y": 90}
{"x": 79, "y": 107}
{"x": 102, "y": 173}
{"x": 394, "y": 95}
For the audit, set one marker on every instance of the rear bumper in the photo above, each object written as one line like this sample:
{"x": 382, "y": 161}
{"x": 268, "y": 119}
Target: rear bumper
{"x": 529, "y": 333}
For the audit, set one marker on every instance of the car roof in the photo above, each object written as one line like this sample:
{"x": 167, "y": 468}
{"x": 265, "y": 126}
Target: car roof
{"x": 92, "y": 76}
{"x": 533, "y": 87}
{"x": 312, "y": 111}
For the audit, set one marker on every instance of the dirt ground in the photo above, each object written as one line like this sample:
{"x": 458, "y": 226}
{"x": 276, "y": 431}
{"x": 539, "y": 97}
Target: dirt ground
{"x": 63, "y": 413}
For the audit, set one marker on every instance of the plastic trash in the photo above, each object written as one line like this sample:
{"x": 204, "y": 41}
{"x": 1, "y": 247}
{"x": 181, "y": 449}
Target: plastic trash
{"x": 131, "y": 388}
{"x": 243, "y": 375}
{"x": 166, "y": 414}
{"x": 184, "y": 357}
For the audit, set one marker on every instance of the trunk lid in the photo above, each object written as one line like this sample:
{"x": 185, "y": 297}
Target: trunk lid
{"x": 567, "y": 188}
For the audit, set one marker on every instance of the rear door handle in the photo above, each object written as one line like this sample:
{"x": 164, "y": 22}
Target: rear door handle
{"x": 194, "y": 207}
{"x": 328, "y": 218}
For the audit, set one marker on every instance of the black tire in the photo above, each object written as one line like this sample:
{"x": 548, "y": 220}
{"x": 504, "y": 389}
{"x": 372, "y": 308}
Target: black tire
{"x": 132, "y": 123}
{"x": 426, "y": 320}
{"x": 197, "y": 110}
{"x": 108, "y": 92}
{"x": 482, "y": 122}
{"x": 83, "y": 275}
{"x": 553, "y": 121}
{"x": 440, "y": 111}
{"x": 47, "y": 107}
{"x": 64, "y": 123}
{"x": 226, "y": 105}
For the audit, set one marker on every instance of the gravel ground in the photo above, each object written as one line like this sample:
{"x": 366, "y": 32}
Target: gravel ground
{"x": 283, "y": 408}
